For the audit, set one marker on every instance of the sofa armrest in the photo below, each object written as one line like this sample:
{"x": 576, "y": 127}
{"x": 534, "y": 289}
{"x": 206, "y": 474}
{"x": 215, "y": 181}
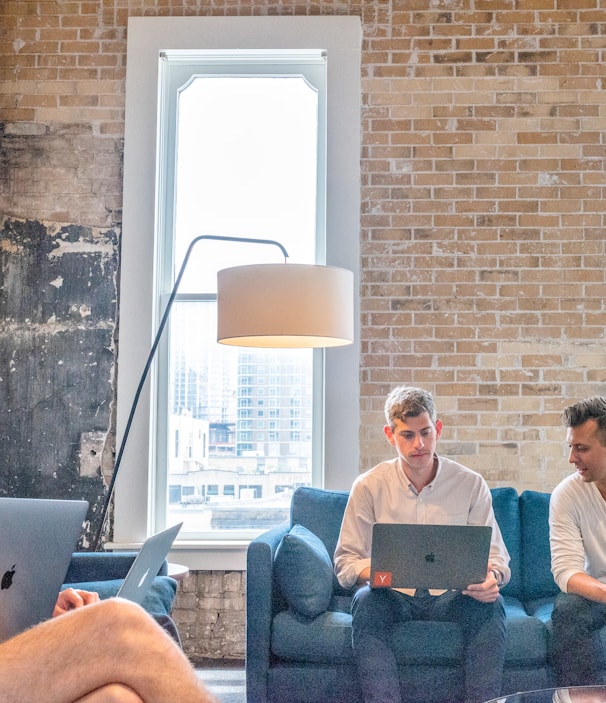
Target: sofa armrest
{"x": 261, "y": 604}
{"x": 102, "y": 566}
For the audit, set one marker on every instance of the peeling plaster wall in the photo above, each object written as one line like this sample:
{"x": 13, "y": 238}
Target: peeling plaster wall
{"x": 60, "y": 216}
{"x": 60, "y": 173}
{"x": 57, "y": 358}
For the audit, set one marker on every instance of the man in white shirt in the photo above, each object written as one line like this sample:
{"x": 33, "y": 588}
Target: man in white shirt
{"x": 577, "y": 520}
{"x": 418, "y": 486}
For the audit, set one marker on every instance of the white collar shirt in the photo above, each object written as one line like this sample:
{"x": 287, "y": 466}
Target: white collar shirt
{"x": 456, "y": 496}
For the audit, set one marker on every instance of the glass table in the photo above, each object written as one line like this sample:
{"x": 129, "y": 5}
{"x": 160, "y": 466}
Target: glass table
{"x": 574, "y": 694}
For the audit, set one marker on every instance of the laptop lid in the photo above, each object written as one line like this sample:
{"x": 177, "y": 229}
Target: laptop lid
{"x": 147, "y": 564}
{"x": 37, "y": 539}
{"x": 429, "y": 556}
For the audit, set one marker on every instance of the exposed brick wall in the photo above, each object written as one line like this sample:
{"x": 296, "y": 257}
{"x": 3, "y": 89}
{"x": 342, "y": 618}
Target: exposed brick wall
{"x": 210, "y": 614}
{"x": 482, "y": 221}
{"x": 483, "y": 225}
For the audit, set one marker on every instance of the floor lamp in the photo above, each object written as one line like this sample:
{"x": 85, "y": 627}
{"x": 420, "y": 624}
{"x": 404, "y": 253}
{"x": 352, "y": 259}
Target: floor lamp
{"x": 262, "y": 305}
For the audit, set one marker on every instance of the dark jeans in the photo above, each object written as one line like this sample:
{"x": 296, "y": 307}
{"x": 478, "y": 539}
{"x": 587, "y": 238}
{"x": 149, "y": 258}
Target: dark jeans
{"x": 577, "y": 654}
{"x": 376, "y": 611}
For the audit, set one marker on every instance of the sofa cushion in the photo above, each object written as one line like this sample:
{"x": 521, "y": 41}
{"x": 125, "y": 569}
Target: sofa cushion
{"x": 541, "y": 608}
{"x": 327, "y": 639}
{"x": 323, "y": 640}
{"x": 321, "y": 512}
{"x": 304, "y": 572}
{"x": 506, "y": 508}
{"x": 537, "y": 579}
{"x": 158, "y": 601}
{"x": 527, "y": 641}
{"x": 100, "y": 566}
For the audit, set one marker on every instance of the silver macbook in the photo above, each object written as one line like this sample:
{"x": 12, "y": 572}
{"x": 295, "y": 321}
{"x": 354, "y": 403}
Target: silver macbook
{"x": 429, "y": 556}
{"x": 147, "y": 564}
{"x": 37, "y": 539}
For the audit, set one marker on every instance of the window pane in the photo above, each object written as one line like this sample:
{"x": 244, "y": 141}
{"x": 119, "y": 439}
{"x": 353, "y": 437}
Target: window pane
{"x": 246, "y": 166}
{"x": 233, "y": 467}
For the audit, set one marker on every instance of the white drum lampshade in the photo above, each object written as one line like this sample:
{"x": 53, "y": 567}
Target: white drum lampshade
{"x": 285, "y": 305}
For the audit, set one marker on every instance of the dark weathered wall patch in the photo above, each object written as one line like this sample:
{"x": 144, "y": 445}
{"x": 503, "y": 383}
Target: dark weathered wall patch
{"x": 58, "y": 299}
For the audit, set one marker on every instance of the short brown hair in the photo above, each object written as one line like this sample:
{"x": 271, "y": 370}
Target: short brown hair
{"x": 408, "y": 401}
{"x": 593, "y": 408}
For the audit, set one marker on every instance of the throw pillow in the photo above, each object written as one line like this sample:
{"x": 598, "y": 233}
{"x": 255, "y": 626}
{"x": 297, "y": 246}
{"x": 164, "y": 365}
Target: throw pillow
{"x": 304, "y": 572}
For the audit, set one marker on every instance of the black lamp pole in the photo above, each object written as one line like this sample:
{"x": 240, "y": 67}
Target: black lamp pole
{"x": 148, "y": 363}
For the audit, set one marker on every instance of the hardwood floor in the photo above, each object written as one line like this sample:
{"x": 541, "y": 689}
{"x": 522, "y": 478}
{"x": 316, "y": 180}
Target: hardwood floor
{"x": 227, "y": 683}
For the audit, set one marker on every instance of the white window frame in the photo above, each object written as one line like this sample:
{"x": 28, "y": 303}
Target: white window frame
{"x": 177, "y": 70}
{"x": 340, "y": 37}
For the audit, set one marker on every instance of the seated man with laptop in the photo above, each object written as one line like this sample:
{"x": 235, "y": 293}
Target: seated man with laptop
{"x": 419, "y": 487}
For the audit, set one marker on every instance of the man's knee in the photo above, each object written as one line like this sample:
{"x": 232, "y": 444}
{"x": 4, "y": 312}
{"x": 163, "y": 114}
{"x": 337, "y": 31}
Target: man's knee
{"x": 478, "y": 618}
{"x": 112, "y": 693}
{"x": 116, "y": 616}
{"x": 377, "y": 609}
{"x": 570, "y": 611}
{"x": 464, "y": 607}
{"x": 121, "y": 609}
{"x": 498, "y": 610}
{"x": 373, "y": 602}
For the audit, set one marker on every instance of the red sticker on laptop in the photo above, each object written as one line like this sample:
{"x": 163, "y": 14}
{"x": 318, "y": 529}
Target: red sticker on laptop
{"x": 381, "y": 579}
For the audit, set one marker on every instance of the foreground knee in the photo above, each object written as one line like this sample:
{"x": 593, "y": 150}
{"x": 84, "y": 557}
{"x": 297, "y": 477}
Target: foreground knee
{"x": 118, "y": 615}
{"x": 121, "y": 608}
{"x": 112, "y": 693}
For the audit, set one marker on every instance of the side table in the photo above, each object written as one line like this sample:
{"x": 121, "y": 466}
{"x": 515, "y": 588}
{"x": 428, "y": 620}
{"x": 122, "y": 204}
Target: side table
{"x": 177, "y": 571}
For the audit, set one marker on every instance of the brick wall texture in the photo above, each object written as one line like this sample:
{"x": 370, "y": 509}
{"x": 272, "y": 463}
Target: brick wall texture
{"x": 482, "y": 222}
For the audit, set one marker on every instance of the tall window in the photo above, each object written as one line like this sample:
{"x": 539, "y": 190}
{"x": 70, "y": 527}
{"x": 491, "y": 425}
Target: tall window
{"x": 255, "y": 124}
{"x": 242, "y": 153}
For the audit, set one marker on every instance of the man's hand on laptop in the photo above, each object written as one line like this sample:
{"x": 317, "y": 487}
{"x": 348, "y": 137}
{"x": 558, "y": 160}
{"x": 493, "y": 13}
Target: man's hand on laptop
{"x": 71, "y": 598}
{"x": 364, "y": 576}
{"x": 486, "y": 592}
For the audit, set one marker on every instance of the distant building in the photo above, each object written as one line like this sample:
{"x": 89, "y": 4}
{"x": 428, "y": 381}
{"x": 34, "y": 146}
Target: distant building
{"x": 241, "y": 423}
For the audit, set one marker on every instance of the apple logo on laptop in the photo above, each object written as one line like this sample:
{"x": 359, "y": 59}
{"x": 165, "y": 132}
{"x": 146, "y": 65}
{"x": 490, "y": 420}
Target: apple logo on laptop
{"x": 143, "y": 578}
{"x": 431, "y": 557}
{"x": 7, "y": 579}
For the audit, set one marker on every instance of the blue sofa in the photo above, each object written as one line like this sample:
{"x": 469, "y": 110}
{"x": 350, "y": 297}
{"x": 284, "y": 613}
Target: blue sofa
{"x": 298, "y": 632}
{"x": 103, "y": 572}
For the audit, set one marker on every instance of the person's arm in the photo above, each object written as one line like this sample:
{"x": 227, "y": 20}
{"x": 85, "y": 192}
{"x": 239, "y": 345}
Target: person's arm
{"x": 482, "y": 513}
{"x": 567, "y": 547}
{"x": 582, "y": 584}
{"x": 488, "y": 590}
{"x": 352, "y": 554}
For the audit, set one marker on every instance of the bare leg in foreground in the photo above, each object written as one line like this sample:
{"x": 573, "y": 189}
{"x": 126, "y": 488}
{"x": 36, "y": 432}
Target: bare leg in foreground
{"x": 109, "y": 652}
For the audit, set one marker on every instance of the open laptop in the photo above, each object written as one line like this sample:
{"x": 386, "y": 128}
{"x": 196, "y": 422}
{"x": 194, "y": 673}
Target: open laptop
{"x": 37, "y": 539}
{"x": 429, "y": 556}
{"x": 147, "y": 564}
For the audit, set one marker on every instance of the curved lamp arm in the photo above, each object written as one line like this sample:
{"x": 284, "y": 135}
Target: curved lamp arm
{"x": 150, "y": 358}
